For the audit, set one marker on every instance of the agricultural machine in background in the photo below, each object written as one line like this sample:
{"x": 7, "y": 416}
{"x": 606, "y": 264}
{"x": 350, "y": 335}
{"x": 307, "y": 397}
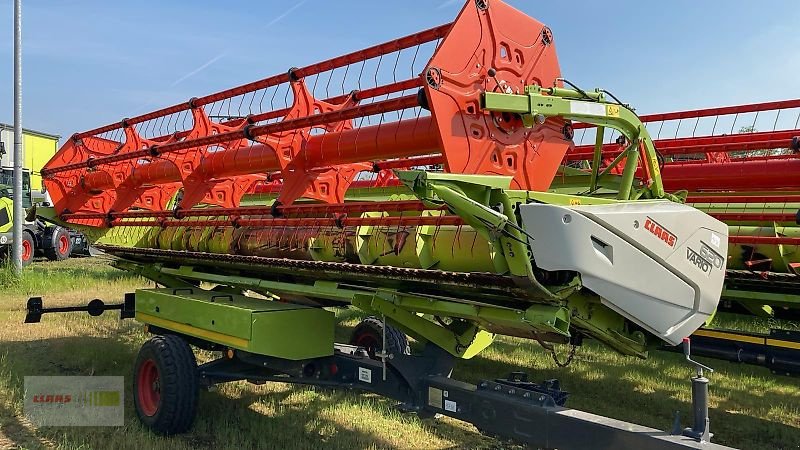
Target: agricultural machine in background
{"x": 419, "y": 181}
{"x": 39, "y": 238}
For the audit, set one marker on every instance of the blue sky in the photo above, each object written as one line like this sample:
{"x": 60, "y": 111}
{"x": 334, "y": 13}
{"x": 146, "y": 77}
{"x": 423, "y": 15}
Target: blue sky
{"x": 88, "y": 63}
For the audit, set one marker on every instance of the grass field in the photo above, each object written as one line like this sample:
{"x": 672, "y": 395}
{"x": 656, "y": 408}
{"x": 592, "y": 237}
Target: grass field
{"x": 751, "y": 409}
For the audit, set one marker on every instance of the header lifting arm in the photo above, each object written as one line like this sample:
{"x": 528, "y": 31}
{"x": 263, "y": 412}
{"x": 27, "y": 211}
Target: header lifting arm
{"x": 539, "y": 104}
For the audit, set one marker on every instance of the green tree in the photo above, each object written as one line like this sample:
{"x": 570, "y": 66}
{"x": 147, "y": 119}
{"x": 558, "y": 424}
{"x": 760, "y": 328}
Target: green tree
{"x": 760, "y": 152}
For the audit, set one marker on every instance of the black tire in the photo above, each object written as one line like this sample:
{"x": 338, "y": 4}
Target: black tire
{"x": 56, "y": 243}
{"x": 176, "y": 383}
{"x": 369, "y": 335}
{"x": 28, "y": 248}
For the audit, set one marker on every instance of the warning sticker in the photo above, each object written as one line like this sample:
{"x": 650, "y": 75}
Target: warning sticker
{"x": 612, "y": 110}
{"x": 435, "y": 397}
{"x": 450, "y": 406}
{"x": 587, "y": 108}
{"x": 364, "y": 375}
{"x": 654, "y": 164}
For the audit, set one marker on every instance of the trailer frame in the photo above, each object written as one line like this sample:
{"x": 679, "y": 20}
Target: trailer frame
{"x": 510, "y": 407}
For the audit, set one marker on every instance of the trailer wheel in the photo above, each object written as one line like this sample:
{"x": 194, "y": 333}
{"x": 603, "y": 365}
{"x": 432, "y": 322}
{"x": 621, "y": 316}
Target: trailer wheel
{"x": 166, "y": 385}
{"x": 369, "y": 335}
{"x": 57, "y": 244}
{"x": 28, "y": 247}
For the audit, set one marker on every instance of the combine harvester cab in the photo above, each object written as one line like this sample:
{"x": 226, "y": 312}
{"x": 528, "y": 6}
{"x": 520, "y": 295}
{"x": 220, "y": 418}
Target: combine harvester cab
{"x": 421, "y": 201}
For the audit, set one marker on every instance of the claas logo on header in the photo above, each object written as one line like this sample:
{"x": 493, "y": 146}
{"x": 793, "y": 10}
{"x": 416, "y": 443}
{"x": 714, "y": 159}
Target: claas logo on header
{"x": 660, "y": 232}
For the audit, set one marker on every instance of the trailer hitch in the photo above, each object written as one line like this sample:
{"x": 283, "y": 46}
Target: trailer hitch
{"x": 549, "y": 391}
{"x": 35, "y": 308}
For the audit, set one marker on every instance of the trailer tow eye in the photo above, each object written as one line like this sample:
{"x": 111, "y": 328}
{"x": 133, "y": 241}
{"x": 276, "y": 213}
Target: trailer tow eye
{"x": 700, "y": 430}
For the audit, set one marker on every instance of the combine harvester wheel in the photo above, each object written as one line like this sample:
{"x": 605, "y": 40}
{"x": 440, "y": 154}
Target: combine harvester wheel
{"x": 370, "y": 333}
{"x": 166, "y": 385}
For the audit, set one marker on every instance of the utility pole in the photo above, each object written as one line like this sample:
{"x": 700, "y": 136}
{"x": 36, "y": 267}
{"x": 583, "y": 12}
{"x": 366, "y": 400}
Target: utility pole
{"x": 17, "y": 195}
